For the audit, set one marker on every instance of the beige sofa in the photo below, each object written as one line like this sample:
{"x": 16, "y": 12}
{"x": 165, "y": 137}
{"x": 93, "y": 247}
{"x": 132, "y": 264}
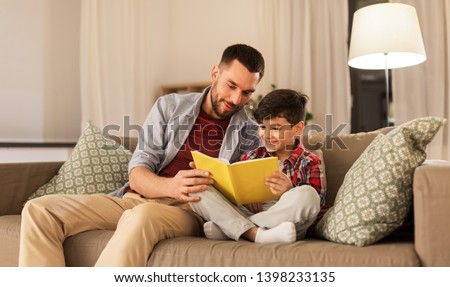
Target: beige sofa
{"x": 422, "y": 241}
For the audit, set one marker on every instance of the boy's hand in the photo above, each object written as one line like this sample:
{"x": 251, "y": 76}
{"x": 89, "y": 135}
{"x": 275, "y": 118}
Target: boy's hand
{"x": 279, "y": 183}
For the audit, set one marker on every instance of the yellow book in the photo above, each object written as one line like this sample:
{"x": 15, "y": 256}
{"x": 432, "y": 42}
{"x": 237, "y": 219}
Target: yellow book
{"x": 241, "y": 182}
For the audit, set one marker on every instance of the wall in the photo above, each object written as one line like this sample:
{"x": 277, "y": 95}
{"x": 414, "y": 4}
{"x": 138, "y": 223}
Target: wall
{"x": 198, "y": 31}
{"x": 21, "y": 75}
{"x": 62, "y": 105}
{"x": 40, "y": 62}
{"x": 201, "y": 29}
{"x": 39, "y": 70}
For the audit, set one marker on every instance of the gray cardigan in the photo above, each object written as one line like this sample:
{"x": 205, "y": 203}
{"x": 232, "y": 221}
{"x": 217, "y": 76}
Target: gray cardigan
{"x": 168, "y": 125}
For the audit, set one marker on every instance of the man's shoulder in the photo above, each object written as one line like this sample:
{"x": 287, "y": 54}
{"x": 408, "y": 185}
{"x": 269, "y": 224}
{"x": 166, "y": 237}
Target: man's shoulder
{"x": 178, "y": 104}
{"x": 175, "y": 99}
{"x": 247, "y": 123}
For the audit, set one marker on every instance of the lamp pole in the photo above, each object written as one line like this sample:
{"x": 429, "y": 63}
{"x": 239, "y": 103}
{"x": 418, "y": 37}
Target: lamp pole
{"x": 386, "y": 75}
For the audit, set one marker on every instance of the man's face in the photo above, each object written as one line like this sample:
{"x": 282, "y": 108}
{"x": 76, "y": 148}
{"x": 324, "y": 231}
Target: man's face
{"x": 231, "y": 89}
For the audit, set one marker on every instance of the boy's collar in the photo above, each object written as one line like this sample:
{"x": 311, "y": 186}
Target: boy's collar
{"x": 297, "y": 152}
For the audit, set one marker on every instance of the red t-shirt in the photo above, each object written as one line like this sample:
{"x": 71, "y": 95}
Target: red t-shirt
{"x": 206, "y": 136}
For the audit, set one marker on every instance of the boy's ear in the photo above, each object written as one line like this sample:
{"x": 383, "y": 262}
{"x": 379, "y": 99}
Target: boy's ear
{"x": 299, "y": 127}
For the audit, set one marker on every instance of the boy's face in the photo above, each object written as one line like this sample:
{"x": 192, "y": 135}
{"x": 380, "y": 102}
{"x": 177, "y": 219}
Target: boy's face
{"x": 278, "y": 135}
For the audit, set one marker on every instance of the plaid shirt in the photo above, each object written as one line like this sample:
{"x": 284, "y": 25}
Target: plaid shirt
{"x": 302, "y": 166}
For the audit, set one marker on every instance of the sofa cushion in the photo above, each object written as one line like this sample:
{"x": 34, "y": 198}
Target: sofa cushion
{"x": 196, "y": 251}
{"x": 9, "y": 235}
{"x": 340, "y": 152}
{"x": 376, "y": 194}
{"x": 96, "y": 165}
{"x": 23, "y": 179}
{"x": 83, "y": 250}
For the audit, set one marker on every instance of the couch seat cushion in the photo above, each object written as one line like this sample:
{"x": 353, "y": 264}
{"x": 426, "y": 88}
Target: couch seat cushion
{"x": 9, "y": 235}
{"x": 83, "y": 250}
{"x": 195, "y": 251}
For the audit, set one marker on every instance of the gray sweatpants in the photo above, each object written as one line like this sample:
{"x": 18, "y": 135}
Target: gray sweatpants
{"x": 299, "y": 205}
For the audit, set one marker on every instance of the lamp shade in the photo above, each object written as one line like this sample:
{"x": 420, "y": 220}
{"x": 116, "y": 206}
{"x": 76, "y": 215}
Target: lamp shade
{"x": 386, "y": 36}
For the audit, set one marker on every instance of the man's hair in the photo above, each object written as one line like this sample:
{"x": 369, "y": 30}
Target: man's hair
{"x": 282, "y": 103}
{"x": 246, "y": 55}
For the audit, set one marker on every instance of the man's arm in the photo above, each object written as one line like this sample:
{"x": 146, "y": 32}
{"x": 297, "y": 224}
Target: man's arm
{"x": 150, "y": 185}
{"x": 154, "y": 142}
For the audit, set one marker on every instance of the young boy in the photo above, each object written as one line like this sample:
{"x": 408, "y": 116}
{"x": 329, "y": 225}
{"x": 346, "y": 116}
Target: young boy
{"x": 299, "y": 186}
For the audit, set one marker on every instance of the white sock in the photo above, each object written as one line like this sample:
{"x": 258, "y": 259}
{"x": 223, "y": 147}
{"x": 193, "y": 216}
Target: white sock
{"x": 212, "y": 231}
{"x": 284, "y": 233}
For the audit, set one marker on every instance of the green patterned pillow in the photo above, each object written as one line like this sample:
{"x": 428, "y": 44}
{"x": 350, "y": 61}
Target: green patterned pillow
{"x": 96, "y": 165}
{"x": 376, "y": 194}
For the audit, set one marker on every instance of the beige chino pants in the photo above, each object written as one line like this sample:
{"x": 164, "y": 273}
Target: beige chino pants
{"x": 139, "y": 225}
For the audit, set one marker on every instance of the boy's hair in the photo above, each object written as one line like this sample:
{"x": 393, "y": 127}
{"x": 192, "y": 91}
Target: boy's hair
{"x": 282, "y": 103}
{"x": 246, "y": 55}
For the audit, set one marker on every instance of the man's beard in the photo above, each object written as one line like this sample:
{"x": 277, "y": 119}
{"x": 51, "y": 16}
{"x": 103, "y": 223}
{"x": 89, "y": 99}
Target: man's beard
{"x": 215, "y": 102}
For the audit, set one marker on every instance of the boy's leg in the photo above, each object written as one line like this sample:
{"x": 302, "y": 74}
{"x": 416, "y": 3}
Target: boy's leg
{"x": 213, "y": 231}
{"x": 48, "y": 220}
{"x": 299, "y": 205}
{"x": 142, "y": 227}
{"x": 213, "y": 206}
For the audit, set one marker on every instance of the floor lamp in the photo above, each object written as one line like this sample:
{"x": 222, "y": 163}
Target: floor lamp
{"x": 386, "y": 36}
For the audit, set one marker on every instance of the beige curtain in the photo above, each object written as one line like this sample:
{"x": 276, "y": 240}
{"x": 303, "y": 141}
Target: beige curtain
{"x": 424, "y": 90}
{"x": 305, "y": 46}
{"x": 304, "y": 43}
{"x": 115, "y": 64}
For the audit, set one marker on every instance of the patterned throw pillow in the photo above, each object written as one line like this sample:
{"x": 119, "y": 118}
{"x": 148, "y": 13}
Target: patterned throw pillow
{"x": 96, "y": 165}
{"x": 376, "y": 194}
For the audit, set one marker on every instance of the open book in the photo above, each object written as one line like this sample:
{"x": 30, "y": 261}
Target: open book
{"x": 241, "y": 182}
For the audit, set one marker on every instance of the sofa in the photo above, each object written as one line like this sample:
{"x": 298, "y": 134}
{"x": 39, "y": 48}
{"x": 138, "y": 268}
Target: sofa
{"x": 422, "y": 240}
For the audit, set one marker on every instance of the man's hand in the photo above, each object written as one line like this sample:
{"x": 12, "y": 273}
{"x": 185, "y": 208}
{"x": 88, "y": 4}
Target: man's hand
{"x": 279, "y": 183}
{"x": 187, "y": 182}
{"x": 254, "y": 207}
{"x": 150, "y": 185}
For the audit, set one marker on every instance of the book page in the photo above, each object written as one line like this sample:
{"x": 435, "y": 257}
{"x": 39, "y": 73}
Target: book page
{"x": 219, "y": 172}
{"x": 249, "y": 179}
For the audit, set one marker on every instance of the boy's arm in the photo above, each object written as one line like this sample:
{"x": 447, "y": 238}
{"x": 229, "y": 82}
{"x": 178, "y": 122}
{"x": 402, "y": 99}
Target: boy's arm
{"x": 315, "y": 176}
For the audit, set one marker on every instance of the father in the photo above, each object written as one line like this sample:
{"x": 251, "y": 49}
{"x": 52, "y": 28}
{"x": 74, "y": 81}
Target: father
{"x": 153, "y": 206}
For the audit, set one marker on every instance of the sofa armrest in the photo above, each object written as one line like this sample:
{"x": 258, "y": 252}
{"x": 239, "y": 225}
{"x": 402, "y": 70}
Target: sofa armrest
{"x": 19, "y": 180}
{"x": 432, "y": 213}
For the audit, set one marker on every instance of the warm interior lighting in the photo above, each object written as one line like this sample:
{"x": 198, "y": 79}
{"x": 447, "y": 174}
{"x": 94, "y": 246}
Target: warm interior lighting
{"x": 388, "y": 28}
{"x": 386, "y": 36}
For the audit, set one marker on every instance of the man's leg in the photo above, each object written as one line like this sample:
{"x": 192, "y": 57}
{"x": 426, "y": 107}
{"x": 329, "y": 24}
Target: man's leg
{"x": 141, "y": 228}
{"x": 299, "y": 205}
{"x": 48, "y": 220}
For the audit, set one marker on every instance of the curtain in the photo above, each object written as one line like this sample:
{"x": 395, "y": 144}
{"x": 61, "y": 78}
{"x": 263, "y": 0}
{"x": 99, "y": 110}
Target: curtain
{"x": 305, "y": 46}
{"x": 123, "y": 59}
{"x": 115, "y": 61}
{"x": 424, "y": 90}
